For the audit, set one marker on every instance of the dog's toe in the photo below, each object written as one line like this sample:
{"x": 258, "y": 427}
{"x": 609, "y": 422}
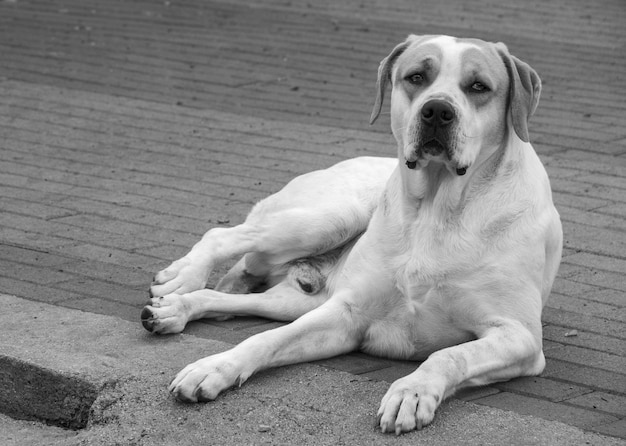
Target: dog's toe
{"x": 165, "y": 315}
{"x": 409, "y": 404}
{"x": 168, "y": 273}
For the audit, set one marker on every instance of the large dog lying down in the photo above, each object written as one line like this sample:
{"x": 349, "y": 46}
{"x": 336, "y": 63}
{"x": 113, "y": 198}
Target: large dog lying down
{"x": 445, "y": 254}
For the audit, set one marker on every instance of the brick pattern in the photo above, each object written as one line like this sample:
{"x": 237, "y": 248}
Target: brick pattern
{"x": 129, "y": 128}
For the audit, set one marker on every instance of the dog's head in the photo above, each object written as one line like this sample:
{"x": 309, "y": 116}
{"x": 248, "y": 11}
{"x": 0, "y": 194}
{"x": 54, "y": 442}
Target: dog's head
{"x": 455, "y": 100}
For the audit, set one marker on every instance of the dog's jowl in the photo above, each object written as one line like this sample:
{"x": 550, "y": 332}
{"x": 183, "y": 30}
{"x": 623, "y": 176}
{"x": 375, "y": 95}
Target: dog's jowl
{"x": 445, "y": 253}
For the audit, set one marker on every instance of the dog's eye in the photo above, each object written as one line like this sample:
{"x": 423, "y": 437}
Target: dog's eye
{"x": 415, "y": 78}
{"x": 479, "y": 87}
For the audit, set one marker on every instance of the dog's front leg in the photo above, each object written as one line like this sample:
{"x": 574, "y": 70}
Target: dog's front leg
{"x": 505, "y": 350}
{"x": 327, "y": 331}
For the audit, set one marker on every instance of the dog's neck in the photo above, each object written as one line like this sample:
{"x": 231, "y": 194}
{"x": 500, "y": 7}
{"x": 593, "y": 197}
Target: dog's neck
{"x": 425, "y": 183}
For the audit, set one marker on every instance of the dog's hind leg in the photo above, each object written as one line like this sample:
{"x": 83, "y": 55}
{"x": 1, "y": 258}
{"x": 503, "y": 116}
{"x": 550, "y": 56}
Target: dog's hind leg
{"x": 242, "y": 279}
{"x": 191, "y": 272}
{"x": 290, "y": 291}
{"x": 266, "y": 242}
{"x": 170, "y": 313}
{"x": 312, "y": 214}
{"x": 254, "y": 272}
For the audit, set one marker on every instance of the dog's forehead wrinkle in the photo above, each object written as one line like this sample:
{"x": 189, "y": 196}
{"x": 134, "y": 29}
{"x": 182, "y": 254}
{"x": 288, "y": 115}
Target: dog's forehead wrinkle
{"x": 443, "y": 58}
{"x": 442, "y": 53}
{"x": 478, "y": 62}
{"x": 425, "y": 55}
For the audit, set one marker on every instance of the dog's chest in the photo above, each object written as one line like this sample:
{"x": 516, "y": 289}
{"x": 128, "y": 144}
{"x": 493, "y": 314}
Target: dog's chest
{"x": 422, "y": 315}
{"x": 437, "y": 251}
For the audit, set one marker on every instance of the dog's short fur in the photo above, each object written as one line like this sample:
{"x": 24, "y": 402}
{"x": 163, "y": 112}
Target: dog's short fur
{"x": 445, "y": 254}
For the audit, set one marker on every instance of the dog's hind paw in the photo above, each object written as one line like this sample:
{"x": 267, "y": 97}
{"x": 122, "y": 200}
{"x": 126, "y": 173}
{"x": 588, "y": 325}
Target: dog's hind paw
{"x": 182, "y": 276}
{"x": 164, "y": 315}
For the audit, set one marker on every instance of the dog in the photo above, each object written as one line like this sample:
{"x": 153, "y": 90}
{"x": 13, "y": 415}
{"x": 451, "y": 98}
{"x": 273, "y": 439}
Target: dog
{"x": 445, "y": 254}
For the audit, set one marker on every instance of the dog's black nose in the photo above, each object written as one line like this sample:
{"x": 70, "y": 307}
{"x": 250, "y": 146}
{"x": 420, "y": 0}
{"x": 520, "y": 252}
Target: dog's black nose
{"x": 437, "y": 113}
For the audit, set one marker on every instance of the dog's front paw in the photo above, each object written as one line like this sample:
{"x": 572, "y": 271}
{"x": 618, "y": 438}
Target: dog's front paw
{"x": 408, "y": 404}
{"x": 205, "y": 379}
{"x": 164, "y": 315}
{"x": 182, "y": 276}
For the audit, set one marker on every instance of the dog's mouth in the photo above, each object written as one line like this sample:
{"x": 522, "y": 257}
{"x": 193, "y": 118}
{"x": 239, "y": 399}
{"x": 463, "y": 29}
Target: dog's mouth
{"x": 427, "y": 149}
{"x": 433, "y": 147}
{"x": 424, "y": 152}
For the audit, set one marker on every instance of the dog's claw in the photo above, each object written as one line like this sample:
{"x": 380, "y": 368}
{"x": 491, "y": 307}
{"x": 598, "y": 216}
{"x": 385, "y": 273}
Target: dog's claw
{"x": 147, "y": 319}
{"x": 147, "y": 326}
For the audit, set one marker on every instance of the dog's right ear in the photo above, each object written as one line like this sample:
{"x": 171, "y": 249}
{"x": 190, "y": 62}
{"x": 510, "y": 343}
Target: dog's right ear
{"x": 384, "y": 77}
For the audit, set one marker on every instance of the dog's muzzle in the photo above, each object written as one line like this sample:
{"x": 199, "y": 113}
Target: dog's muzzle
{"x": 436, "y": 116}
{"x": 436, "y": 121}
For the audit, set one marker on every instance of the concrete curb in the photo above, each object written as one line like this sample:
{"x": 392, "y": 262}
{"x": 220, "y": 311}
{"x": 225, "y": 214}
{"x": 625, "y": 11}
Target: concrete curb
{"x": 116, "y": 373}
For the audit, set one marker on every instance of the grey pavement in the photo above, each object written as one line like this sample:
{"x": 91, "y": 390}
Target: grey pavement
{"x": 127, "y": 129}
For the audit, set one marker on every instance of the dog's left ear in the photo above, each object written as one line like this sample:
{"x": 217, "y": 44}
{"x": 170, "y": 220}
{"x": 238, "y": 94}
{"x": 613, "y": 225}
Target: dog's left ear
{"x": 384, "y": 77}
{"x": 524, "y": 91}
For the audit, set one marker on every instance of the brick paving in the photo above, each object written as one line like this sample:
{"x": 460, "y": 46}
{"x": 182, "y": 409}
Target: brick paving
{"x": 129, "y": 128}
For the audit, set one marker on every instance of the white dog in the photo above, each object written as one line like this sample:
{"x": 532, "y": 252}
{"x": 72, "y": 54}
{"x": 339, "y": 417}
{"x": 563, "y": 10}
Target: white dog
{"x": 446, "y": 254}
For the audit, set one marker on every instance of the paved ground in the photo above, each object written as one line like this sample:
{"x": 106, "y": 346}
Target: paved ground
{"x": 103, "y": 367}
{"x": 129, "y": 128}
{"x": 101, "y": 370}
